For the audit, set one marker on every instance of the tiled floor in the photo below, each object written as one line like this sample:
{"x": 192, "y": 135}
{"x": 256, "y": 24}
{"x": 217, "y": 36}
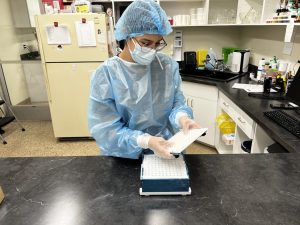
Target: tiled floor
{"x": 38, "y": 140}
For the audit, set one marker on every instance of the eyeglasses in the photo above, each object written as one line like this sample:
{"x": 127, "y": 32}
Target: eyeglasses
{"x": 146, "y": 45}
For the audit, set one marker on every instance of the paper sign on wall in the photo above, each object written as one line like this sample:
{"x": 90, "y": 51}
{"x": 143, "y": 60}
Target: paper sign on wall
{"x": 58, "y": 35}
{"x": 85, "y": 34}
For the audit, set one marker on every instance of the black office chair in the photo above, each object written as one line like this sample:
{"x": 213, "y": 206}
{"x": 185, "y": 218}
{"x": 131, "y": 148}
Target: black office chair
{"x": 4, "y": 119}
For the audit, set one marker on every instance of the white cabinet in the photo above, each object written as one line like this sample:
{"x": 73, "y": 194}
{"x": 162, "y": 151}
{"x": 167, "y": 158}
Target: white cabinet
{"x": 212, "y": 11}
{"x": 224, "y": 12}
{"x": 246, "y": 129}
{"x": 203, "y": 100}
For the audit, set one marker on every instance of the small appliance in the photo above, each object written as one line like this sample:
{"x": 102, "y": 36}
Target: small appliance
{"x": 240, "y": 61}
{"x": 190, "y": 61}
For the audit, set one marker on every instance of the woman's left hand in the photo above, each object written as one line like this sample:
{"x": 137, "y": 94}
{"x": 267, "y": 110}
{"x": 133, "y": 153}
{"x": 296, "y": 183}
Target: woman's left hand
{"x": 187, "y": 124}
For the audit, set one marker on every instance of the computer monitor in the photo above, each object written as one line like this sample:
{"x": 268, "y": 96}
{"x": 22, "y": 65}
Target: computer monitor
{"x": 293, "y": 93}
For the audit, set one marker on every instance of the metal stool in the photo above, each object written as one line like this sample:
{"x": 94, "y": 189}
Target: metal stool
{"x": 7, "y": 119}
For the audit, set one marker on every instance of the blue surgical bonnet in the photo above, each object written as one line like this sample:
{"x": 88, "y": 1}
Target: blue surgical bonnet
{"x": 142, "y": 17}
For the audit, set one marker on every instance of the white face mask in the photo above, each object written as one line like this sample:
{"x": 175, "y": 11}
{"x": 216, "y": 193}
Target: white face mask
{"x": 143, "y": 57}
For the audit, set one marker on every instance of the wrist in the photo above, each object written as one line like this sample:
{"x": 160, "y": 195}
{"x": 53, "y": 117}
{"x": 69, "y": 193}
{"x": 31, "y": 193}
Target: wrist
{"x": 143, "y": 141}
{"x": 179, "y": 116}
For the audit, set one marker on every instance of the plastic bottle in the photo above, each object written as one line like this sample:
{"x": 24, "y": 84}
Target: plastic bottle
{"x": 211, "y": 59}
{"x": 260, "y": 69}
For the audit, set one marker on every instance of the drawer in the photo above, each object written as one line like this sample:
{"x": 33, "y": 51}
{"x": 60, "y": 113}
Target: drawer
{"x": 245, "y": 123}
{"x": 239, "y": 116}
{"x": 227, "y": 107}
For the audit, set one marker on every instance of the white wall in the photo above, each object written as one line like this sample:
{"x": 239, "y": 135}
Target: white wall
{"x": 10, "y": 40}
{"x": 263, "y": 41}
{"x": 268, "y": 41}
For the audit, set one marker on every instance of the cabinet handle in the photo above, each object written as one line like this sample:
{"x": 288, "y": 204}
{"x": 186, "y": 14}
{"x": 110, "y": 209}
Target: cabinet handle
{"x": 241, "y": 120}
{"x": 225, "y": 104}
{"x": 192, "y": 102}
{"x": 187, "y": 101}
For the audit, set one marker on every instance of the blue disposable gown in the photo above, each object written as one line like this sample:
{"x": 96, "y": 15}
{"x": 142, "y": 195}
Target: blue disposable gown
{"x": 128, "y": 99}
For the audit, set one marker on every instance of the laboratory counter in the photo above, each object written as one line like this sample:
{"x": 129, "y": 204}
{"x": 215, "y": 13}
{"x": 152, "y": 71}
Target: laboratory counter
{"x": 255, "y": 108}
{"x": 242, "y": 189}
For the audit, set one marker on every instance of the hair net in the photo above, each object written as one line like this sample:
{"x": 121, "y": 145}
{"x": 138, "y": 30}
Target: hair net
{"x": 142, "y": 17}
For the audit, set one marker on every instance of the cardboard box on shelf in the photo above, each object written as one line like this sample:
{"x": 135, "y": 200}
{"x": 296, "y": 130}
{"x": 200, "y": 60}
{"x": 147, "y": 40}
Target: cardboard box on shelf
{"x": 1, "y": 195}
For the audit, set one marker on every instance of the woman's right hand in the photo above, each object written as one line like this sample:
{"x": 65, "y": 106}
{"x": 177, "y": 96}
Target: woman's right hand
{"x": 160, "y": 147}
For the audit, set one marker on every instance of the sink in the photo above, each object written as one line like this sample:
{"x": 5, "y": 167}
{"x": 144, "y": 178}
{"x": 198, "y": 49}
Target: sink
{"x": 211, "y": 75}
{"x": 31, "y": 56}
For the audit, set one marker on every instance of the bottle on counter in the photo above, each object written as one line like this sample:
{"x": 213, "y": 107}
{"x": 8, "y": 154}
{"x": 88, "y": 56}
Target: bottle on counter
{"x": 267, "y": 85}
{"x": 274, "y": 63}
{"x": 261, "y": 66}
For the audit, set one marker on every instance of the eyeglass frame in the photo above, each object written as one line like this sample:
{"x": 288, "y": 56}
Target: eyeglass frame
{"x": 147, "y": 49}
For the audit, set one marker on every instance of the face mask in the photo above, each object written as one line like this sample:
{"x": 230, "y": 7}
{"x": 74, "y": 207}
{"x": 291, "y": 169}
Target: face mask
{"x": 144, "y": 57}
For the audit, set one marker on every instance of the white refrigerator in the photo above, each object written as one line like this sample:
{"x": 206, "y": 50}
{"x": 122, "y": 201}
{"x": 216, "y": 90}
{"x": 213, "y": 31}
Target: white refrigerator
{"x": 72, "y": 46}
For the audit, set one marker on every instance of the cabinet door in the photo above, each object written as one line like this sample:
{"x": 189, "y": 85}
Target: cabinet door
{"x": 69, "y": 85}
{"x": 205, "y": 114}
{"x": 203, "y": 100}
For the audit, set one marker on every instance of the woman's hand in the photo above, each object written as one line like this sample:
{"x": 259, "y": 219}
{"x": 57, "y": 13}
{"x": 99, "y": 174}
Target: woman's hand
{"x": 160, "y": 147}
{"x": 187, "y": 124}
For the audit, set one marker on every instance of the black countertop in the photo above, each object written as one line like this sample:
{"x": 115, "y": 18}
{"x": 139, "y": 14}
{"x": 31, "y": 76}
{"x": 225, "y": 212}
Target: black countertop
{"x": 226, "y": 189}
{"x": 254, "y": 107}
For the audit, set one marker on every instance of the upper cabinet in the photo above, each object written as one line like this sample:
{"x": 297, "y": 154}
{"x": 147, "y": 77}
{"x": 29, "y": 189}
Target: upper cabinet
{"x": 23, "y": 12}
{"x": 222, "y": 12}
{"x": 180, "y": 13}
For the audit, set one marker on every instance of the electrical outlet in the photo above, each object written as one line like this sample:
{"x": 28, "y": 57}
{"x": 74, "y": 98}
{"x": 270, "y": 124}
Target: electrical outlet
{"x": 24, "y": 47}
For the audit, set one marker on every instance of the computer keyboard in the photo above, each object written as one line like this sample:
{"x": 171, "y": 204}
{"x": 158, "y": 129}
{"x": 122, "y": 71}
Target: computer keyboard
{"x": 285, "y": 120}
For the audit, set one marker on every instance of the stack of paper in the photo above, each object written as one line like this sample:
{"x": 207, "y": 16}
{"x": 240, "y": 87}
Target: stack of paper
{"x": 250, "y": 87}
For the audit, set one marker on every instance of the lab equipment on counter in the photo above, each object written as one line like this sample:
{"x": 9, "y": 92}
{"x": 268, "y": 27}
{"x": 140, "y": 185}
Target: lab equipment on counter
{"x": 200, "y": 57}
{"x": 190, "y": 62}
{"x": 267, "y": 85}
{"x": 226, "y": 52}
{"x": 164, "y": 176}
{"x": 181, "y": 141}
{"x": 240, "y": 61}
